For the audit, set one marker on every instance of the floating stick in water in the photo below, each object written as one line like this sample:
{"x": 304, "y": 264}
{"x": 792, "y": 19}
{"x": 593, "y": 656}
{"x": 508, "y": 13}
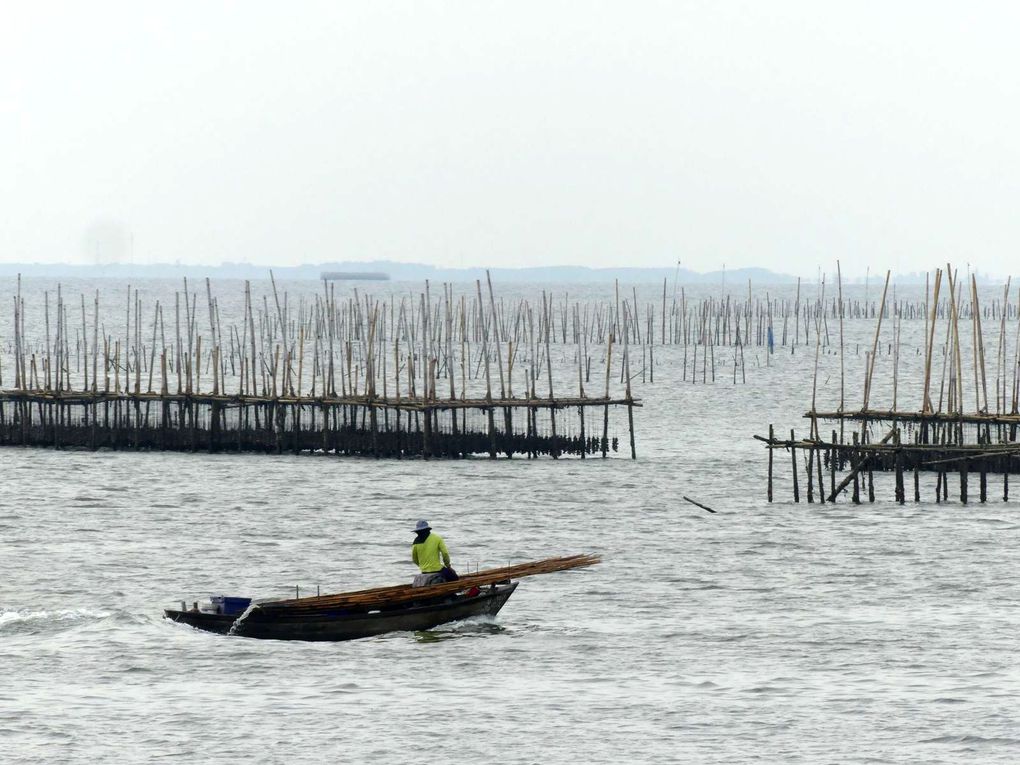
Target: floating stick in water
{"x": 698, "y": 504}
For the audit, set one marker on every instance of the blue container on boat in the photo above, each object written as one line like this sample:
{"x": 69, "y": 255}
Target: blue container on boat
{"x": 228, "y": 605}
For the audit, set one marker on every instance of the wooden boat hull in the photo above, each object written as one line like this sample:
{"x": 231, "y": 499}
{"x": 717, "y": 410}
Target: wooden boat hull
{"x": 350, "y": 626}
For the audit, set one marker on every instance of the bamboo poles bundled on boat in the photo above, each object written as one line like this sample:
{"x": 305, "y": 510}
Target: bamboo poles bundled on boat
{"x": 384, "y": 597}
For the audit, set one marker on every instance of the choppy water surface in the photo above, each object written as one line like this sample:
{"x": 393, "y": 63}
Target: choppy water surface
{"x": 771, "y": 633}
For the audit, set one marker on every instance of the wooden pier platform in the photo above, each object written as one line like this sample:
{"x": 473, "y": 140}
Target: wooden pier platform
{"x": 352, "y": 425}
{"x": 400, "y": 376}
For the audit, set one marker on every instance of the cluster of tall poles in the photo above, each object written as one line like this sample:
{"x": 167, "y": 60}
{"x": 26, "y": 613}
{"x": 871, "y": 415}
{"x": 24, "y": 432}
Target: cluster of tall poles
{"x": 956, "y": 428}
{"x": 945, "y": 387}
{"x": 431, "y": 356}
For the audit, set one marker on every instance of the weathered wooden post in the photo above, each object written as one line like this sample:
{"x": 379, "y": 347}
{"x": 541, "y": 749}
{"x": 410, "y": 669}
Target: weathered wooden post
{"x": 833, "y": 457}
{"x": 426, "y": 436}
{"x": 871, "y": 477}
{"x": 810, "y": 466}
{"x": 771, "y": 440}
{"x": 584, "y": 442}
{"x": 817, "y": 451}
{"x": 856, "y": 473}
{"x": 900, "y": 490}
{"x": 490, "y": 414}
{"x": 793, "y": 458}
{"x": 605, "y": 410}
{"x": 214, "y": 424}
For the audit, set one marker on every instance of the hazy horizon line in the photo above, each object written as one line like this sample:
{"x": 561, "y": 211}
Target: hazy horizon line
{"x": 411, "y": 270}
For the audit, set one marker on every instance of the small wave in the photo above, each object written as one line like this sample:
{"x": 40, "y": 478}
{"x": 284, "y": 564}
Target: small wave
{"x": 996, "y": 521}
{"x": 15, "y": 622}
{"x": 476, "y": 626}
{"x": 967, "y": 739}
{"x": 735, "y": 638}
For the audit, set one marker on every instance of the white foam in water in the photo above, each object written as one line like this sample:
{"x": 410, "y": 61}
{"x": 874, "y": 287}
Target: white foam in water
{"x": 237, "y": 622}
{"x": 9, "y": 618}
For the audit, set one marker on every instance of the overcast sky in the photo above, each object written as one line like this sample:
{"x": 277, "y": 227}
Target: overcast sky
{"x": 776, "y": 134}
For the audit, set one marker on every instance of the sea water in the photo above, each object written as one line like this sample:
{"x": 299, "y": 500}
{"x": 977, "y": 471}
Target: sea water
{"x": 764, "y": 633}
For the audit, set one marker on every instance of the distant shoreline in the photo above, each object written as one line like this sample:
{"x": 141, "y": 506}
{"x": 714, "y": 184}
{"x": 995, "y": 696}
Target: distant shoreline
{"x": 385, "y": 270}
{"x": 397, "y": 272}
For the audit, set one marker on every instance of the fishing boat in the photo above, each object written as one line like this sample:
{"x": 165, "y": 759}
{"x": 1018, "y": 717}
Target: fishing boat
{"x": 349, "y": 624}
{"x": 364, "y": 613}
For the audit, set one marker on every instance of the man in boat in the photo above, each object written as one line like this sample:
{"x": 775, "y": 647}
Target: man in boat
{"x": 430, "y": 553}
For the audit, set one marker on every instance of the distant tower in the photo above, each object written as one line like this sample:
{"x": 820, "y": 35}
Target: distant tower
{"x": 107, "y": 242}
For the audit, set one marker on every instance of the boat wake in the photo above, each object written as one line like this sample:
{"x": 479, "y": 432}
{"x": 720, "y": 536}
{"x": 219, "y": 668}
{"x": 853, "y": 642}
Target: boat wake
{"x": 476, "y": 626}
{"x": 30, "y": 622}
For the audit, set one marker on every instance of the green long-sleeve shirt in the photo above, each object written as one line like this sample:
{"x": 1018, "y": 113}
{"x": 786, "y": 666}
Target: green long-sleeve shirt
{"x": 427, "y": 554}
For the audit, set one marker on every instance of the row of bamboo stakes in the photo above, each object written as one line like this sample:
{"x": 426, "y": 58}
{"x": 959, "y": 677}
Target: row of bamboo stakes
{"x": 360, "y": 346}
{"x": 952, "y": 382}
{"x": 282, "y": 346}
{"x": 957, "y": 426}
{"x": 937, "y": 447}
{"x": 291, "y": 374}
